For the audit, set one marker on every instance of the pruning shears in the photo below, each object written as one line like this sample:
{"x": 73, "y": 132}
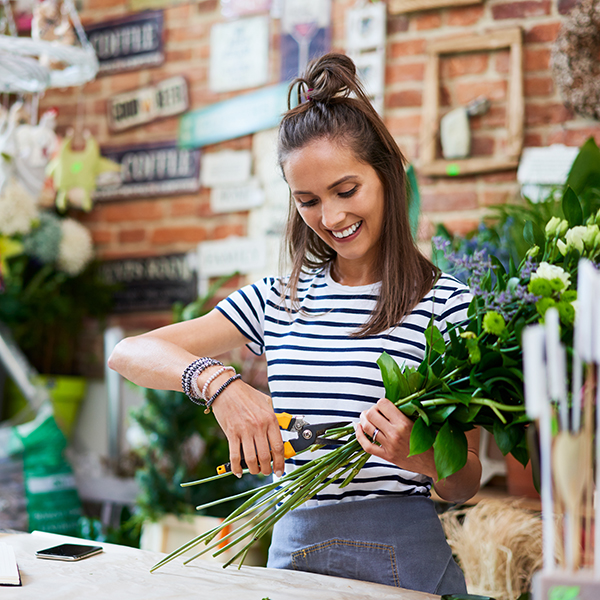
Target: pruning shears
{"x": 307, "y": 435}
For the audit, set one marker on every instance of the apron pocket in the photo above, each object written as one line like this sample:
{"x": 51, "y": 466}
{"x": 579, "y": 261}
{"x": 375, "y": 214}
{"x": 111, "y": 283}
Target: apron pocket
{"x": 367, "y": 561}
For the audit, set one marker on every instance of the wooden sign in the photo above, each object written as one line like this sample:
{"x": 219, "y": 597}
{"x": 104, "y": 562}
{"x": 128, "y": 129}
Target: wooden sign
{"x": 233, "y": 118}
{"x": 151, "y": 283}
{"x": 397, "y": 7}
{"x": 129, "y": 43}
{"x": 138, "y": 107}
{"x": 159, "y": 169}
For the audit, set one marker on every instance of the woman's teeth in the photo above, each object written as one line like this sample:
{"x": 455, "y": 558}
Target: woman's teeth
{"x": 343, "y": 234}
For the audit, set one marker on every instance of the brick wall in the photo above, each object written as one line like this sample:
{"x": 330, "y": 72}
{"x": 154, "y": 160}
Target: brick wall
{"x": 177, "y": 224}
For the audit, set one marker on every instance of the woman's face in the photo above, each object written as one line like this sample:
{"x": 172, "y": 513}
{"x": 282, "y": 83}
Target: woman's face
{"x": 340, "y": 198}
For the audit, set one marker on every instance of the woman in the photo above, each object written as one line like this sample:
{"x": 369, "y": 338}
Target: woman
{"x": 358, "y": 286}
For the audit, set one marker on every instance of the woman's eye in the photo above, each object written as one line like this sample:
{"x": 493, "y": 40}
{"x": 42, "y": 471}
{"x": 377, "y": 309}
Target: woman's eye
{"x": 349, "y": 192}
{"x": 306, "y": 203}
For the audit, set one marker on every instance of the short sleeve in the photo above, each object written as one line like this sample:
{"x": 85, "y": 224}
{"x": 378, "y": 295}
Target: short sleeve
{"x": 456, "y": 305}
{"x": 246, "y": 310}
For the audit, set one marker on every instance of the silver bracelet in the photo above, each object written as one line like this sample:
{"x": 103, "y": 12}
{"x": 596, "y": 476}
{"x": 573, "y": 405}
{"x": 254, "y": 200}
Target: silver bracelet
{"x": 211, "y": 379}
{"x": 191, "y": 373}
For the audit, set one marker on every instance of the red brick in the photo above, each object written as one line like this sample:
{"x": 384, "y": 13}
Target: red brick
{"x": 141, "y": 210}
{"x": 428, "y": 20}
{"x": 172, "y": 56}
{"x": 407, "y": 48}
{"x": 135, "y": 323}
{"x": 224, "y": 231}
{"x": 521, "y": 10}
{"x": 404, "y": 125}
{"x": 182, "y": 11}
{"x": 539, "y": 86}
{"x": 461, "y": 226}
{"x": 482, "y": 146}
{"x": 536, "y": 60}
{"x": 467, "y": 91}
{"x": 183, "y": 207}
{"x": 501, "y": 61}
{"x": 501, "y": 176}
{"x": 565, "y": 6}
{"x": 494, "y": 197}
{"x": 437, "y": 201}
{"x": 546, "y": 32}
{"x": 206, "y": 6}
{"x": 405, "y": 98}
{"x": 130, "y": 236}
{"x": 194, "y": 32}
{"x": 168, "y": 126}
{"x": 101, "y": 236}
{"x": 467, "y": 15}
{"x": 172, "y": 235}
{"x": 574, "y": 137}
{"x": 99, "y": 107}
{"x": 463, "y": 64}
{"x": 93, "y": 87}
{"x": 123, "y": 82}
{"x": 405, "y": 72}
{"x": 543, "y": 114}
{"x": 532, "y": 140}
{"x": 397, "y": 24}
{"x": 493, "y": 118}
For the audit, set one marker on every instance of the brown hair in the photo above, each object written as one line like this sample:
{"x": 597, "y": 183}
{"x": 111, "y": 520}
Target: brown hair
{"x": 333, "y": 105}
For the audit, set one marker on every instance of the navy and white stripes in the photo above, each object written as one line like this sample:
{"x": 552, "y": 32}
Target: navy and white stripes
{"x": 317, "y": 370}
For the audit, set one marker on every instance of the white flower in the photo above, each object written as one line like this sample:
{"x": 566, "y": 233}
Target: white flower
{"x": 18, "y": 209}
{"x": 550, "y": 272}
{"x": 589, "y": 237}
{"x": 575, "y": 237}
{"x": 76, "y": 247}
{"x": 552, "y": 226}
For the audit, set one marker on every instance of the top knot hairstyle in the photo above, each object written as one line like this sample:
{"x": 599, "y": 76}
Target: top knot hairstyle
{"x": 333, "y": 105}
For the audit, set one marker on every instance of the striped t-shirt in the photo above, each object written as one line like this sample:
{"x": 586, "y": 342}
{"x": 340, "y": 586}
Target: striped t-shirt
{"x": 317, "y": 370}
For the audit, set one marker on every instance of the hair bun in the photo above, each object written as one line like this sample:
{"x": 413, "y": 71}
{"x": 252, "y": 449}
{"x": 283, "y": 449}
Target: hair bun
{"x": 331, "y": 76}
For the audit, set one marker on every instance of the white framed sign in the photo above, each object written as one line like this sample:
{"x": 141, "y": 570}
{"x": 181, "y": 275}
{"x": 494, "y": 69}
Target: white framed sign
{"x": 365, "y": 27}
{"x": 228, "y": 167}
{"x": 234, "y": 198}
{"x": 371, "y": 71}
{"x": 239, "y": 54}
{"x": 138, "y": 107}
{"x": 231, "y": 255}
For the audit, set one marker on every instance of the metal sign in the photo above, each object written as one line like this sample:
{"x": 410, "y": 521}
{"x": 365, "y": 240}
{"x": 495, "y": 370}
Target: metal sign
{"x": 138, "y": 107}
{"x": 233, "y": 118}
{"x": 158, "y": 169}
{"x": 234, "y": 254}
{"x": 129, "y": 43}
{"x": 151, "y": 283}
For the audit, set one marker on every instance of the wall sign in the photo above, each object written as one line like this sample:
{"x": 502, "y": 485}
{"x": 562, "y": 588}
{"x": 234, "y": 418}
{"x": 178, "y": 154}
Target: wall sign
{"x": 239, "y": 54}
{"x": 234, "y": 254}
{"x": 231, "y": 9}
{"x": 233, "y": 198}
{"x": 227, "y": 167}
{"x": 158, "y": 169}
{"x": 151, "y": 283}
{"x": 241, "y": 115}
{"x": 129, "y": 43}
{"x": 165, "y": 99}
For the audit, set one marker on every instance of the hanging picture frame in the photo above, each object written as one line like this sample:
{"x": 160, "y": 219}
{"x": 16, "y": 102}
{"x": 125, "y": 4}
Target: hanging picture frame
{"x": 495, "y": 40}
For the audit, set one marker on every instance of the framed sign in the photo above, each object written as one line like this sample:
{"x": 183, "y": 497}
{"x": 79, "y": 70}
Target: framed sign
{"x": 493, "y": 40}
{"x": 233, "y": 198}
{"x": 138, "y": 107}
{"x": 227, "y": 167}
{"x": 239, "y": 54}
{"x": 365, "y": 27}
{"x": 231, "y": 255}
{"x": 129, "y": 43}
{"x": 159, "y": 169}
{"x": 151, "y": 283}
{"x": 233, "y": 118}
{"x": 231, "y": 9}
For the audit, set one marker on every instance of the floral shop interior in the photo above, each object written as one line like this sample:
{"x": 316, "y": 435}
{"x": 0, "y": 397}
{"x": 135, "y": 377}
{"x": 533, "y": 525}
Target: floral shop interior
{"x": 148, "y": 173}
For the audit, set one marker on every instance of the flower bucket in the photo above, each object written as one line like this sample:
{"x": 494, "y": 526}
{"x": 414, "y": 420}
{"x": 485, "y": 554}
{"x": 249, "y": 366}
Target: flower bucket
{"x": 66, "y": 394}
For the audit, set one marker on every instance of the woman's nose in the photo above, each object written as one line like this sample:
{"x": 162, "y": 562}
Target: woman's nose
{"x": 331, "y": 216}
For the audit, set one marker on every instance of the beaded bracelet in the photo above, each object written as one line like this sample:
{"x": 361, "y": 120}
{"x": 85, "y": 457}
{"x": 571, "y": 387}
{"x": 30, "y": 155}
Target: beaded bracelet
{"x": 214, "y": 396}
{"x": 191, "y": 373}
{"x": 211, "y": 379}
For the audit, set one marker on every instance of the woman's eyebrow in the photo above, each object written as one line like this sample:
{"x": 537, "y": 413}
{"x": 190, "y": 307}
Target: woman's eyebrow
{"x": 330, "y": 187}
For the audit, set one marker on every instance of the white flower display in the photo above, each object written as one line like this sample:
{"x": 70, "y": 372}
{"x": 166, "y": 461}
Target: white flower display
{"x": 550, "y": 272}
{"x": 18, "y": 209}
{"x": 76, "y": 247}
{"x": 575, "y": 237}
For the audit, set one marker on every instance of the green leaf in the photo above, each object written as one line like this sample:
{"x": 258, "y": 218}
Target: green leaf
{"x": 414, "y": 200}
{"x": 585, "y": 170}
{"x": 466, "y": 414}
{"x": 450, "y": 450}
{"x": 506, "y": 437}
{"x": 528, "y": 233}
{"x": 421, "y": 437}
{"x": 533, "y": 235}
{"x": 415, "y": 381}
{"x": 435, "y": 340}
{"x": 440, "y": 413}
{"x": 520, "y": 451}
{"x": 572, "y": 208}
{"x": 389, "y": 375}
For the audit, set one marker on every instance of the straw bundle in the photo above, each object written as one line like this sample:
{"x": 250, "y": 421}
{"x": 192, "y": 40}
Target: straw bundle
{"x": 498, "y": 545}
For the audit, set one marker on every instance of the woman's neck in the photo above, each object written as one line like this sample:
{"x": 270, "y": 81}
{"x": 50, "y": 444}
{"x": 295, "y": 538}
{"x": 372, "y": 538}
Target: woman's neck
{"x": 352, "y": 274}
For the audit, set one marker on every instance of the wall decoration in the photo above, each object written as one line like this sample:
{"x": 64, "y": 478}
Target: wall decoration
{"x": 138, "y": 107}
{"x": 239, "y": 54}
{"x": 233, "y": 198}
{"x": 227, "y": 167}
{"x": 156, "y": 169}
{"x": 493, "y": 40}
{"x": 231, "y": 9}
{"x": 575, "y": 64}
{"x": 234, "y": 254}
{"x": 129, "y": 43}
{"x": 151, "y": 283}
{"x": 398, "y": 7}
{"x": 233, "y": 118}
{"x": 306, "y": 34}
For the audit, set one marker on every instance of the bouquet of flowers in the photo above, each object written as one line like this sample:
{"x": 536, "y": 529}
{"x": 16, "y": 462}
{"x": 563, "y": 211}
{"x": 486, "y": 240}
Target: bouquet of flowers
{"x": 471, "y": 378}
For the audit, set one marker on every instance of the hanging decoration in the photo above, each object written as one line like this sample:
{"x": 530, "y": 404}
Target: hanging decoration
{"x": 575, "y": 64}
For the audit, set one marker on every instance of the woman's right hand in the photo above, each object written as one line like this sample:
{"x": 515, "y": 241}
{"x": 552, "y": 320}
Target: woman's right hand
{"x": 248, "y": 420}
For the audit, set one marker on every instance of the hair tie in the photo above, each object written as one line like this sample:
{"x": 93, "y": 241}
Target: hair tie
{"x": 307, "y": 96}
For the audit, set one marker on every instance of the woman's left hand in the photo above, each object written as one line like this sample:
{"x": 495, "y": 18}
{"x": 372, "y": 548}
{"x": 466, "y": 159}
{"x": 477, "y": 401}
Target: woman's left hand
{"x": 391, "y": 429}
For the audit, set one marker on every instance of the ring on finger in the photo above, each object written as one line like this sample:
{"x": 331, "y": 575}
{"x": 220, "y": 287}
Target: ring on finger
{"x": 374, "y": 436}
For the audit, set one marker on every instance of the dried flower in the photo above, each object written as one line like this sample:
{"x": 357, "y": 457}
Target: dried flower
{"x": 76, "y": 247}
{"x": 18, "y": 210}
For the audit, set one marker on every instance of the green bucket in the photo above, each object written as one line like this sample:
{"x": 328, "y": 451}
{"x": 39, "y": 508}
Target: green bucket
{"x": 66, "y": 394}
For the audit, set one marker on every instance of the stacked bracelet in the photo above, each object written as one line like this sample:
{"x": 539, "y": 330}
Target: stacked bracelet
{"x": 190, "y": 374}
{"x": 211, "y": 379}
{"x": 216, "y": 394}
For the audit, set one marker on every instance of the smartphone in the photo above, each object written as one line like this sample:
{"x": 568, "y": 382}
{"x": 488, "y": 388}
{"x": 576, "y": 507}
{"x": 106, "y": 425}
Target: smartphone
{"x": 71, "y": 552}
{"x": 465, "y": 597}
